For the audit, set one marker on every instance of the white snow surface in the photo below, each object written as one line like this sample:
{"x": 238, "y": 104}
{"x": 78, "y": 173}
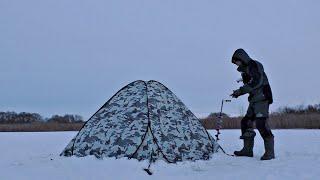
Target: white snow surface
{"x": 36, "y": 156}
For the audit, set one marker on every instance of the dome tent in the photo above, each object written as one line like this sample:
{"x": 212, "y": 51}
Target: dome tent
{"x": 145, "y": 121}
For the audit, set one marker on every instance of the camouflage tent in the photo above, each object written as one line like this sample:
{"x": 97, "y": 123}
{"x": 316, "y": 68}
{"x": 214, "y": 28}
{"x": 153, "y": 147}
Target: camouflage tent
{"x": 144, "y": 120}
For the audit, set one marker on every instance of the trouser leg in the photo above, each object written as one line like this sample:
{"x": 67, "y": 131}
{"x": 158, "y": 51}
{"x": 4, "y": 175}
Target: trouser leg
{"x": 265, "y": 132}
{"x": 263, "y": 127}
{"x": 246, "y": 123}
{"x": 247, "y": 128}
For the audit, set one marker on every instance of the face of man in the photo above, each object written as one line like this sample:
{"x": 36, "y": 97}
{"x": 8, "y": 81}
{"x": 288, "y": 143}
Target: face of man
{"x": 238, "y": 63}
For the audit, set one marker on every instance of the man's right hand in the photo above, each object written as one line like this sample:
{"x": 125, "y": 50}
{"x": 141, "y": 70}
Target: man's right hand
{"x": 236, "y": 93}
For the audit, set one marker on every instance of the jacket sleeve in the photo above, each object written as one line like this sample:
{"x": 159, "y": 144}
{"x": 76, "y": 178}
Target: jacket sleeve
{"x": 256, "y": 81}
{"x": 245, "y": 78}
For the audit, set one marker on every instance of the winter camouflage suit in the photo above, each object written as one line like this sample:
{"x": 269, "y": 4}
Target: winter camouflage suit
{"x": 260, "y": 97}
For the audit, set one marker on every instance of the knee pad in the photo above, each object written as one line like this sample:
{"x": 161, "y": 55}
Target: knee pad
{"x": 248, "y": 134}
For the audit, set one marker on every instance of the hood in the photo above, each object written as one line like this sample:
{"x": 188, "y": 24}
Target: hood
{"x": 241, "y": 55}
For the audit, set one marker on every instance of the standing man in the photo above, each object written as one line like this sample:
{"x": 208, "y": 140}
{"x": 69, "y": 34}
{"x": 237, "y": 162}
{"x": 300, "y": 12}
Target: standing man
{"x": 260, "y": 97}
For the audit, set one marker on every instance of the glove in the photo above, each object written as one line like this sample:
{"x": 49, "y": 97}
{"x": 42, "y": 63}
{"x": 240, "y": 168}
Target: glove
{"x": 236, "y": 93}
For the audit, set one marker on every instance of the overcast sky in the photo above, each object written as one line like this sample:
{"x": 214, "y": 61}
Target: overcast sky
{"x": 70, "y": 56}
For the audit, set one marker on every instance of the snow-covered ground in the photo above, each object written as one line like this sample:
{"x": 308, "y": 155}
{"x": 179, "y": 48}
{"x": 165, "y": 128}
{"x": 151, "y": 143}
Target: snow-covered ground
{"x": 36, "y": 156}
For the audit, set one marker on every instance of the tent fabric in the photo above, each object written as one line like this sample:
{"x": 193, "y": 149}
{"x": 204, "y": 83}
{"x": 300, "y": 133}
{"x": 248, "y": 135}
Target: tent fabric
{"x": 145, "y": 121}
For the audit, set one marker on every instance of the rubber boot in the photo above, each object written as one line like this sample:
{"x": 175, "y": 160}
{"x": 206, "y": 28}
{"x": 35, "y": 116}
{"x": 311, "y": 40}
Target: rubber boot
{"x": 248, "y": 143}
{"x": 269, "y": 148}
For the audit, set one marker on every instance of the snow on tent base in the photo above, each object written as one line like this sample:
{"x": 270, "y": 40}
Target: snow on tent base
{"x": 145, "y": 121}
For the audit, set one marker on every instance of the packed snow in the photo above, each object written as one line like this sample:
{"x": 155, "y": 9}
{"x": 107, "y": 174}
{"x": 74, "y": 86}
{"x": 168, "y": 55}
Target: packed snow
{"x": 36, "y": 156}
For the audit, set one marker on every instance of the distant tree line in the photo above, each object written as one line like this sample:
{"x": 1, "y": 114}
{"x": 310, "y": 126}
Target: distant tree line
{"x": 217, "y": 114}
{"x": 309, "y": 109}
{"x": 24, "y": 117}
{"x": 299, "y": 109}
{"x": 305, "y": 117}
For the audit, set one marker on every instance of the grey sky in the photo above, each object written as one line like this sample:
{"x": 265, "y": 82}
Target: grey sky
{"x": 70, "y": 56}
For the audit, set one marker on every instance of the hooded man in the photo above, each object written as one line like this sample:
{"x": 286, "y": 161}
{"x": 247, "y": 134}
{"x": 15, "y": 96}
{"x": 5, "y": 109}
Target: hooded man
{"x": 256, "y": 84}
